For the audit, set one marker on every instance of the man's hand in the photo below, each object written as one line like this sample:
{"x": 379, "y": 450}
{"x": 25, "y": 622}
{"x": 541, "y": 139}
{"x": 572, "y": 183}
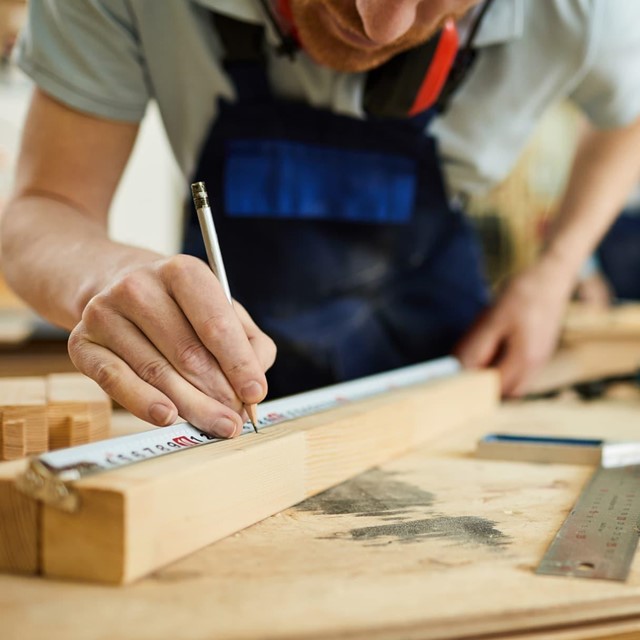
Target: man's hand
{"x": 519, "y": 333}
{"x": 158, "y": 334}
{"x": 163, "y": 340}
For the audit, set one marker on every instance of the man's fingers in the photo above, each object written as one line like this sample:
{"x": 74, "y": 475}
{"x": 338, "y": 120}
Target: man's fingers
{"x": 521, "y": 360}
{"x": 512, "y": 370}
{"x": 177, "y": 341}
{"x": 489, "y": 346}
{"x": 481, "y": 346}
{"x": 216, "y": 324}
{"x": 171, "y": 329}
{"x": 130, "y": 345}
{"x": 490, "y": 343}
{"x": 120, "y": 382}
{"x": 263, "y": 346}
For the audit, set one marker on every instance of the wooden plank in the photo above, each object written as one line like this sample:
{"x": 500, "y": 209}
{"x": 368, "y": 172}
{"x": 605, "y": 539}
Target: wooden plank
{"x": 585, "y": 361}
{"x": 618, "y": 323}
{"x": 79, "y": 411}
{"x": 23, "y": 417}
{"x": 139, "y": 518}
{"x": 18, "y": 523}
{"x": 433, "y": 545}
{"x": 594, "y": 343}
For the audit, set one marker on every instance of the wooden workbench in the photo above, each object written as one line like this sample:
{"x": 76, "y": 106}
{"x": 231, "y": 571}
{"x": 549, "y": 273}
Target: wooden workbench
{"x": 436, "y": 544}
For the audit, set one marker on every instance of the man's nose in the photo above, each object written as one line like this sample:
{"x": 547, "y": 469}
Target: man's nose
{"x": 385, "y": 21}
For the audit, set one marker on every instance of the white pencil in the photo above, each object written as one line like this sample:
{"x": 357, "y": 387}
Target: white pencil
{"x": 214, "y": 255}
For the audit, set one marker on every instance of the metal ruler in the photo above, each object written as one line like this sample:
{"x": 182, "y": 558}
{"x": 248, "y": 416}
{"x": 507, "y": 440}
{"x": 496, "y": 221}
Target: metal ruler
{"x": 50, "y": 475}
{"x": 600, "y": 535}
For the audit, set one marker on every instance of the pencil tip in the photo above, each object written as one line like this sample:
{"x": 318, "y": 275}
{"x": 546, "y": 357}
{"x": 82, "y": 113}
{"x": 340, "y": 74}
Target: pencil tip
{"x": 252, "y": 412}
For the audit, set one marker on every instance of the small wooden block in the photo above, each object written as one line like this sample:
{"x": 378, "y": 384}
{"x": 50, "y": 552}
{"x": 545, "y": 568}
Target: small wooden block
{"x": 78, "y": 410}
{"x": 79, "y": 430}
{"x": 136, "y": 519}
{"x": 13, "y": 439}
{"x": 23, "y": 417}
{"x": 19, "y": 523}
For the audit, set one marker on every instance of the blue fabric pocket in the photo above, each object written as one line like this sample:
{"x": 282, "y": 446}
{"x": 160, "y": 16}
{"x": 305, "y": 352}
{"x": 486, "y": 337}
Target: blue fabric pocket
{"x": 285, "y": 179}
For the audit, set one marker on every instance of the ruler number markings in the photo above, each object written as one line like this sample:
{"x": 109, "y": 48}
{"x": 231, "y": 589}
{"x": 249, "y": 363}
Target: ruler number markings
{"x": 600, "y": 535}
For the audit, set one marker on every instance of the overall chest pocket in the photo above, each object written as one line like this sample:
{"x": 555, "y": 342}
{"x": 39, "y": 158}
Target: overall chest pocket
{"x": 294, "y": 180}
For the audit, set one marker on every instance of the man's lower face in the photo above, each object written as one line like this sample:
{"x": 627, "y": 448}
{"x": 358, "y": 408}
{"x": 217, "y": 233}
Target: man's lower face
{"x": 349, "y": 35}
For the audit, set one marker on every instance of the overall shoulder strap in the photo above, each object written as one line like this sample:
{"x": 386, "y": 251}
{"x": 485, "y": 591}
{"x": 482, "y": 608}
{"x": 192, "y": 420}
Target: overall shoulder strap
{"x": 242, "y": 41}
{"x": 245, "y": 57}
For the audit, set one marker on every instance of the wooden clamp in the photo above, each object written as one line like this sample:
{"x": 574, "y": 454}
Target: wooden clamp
{"x": 136, "y": 519}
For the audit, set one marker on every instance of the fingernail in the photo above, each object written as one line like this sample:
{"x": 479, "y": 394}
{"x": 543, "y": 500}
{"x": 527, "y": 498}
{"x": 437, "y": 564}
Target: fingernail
{"x": 252, "y": 392}
{"x": 224, "y": 427}
{"x": 161, "y": 414}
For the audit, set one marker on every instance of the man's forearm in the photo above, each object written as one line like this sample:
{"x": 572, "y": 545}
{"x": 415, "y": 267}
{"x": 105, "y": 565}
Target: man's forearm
{"x": 606, "y": 169}
{"x": 56, "y": 258}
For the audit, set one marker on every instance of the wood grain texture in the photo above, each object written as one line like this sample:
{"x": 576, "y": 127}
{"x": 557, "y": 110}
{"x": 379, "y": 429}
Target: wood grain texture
{"x": 18, "y": 523}
{"x": 23, "y": 417}
{"x": 139, "y": 518}
{"x": 42, "y": 413}
{"x": 434, "y": 545}
{"x": 78, "y": 410}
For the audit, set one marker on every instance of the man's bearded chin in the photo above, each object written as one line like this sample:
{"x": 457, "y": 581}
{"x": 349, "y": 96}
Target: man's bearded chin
{"x": 328, "y": 50}
{"x": 341, "y": 57}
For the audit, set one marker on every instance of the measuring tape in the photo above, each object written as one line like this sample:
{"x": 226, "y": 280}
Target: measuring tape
{"x": 49, "y": 475}
{"x": 599, "y": 537}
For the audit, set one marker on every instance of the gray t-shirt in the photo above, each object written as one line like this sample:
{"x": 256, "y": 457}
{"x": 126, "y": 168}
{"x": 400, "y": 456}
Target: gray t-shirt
{"x": 110, "y": 57}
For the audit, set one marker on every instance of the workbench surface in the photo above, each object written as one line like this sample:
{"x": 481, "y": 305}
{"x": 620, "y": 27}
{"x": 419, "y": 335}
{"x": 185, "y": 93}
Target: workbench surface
{"x": 436, "y": 544}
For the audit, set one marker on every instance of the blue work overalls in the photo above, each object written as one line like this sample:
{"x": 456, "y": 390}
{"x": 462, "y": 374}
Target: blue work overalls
{"x": 337, "y": 236}
{"x": 619, "y": 255}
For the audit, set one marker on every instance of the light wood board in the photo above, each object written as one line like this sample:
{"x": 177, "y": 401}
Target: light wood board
{"x": 587, "y": 360}
{"x": 78, "y": 410}
{"x": 204, "y": 494}
{"x": 23, "y": 417}
{"x": 433, "y": 545}
{"x": 38, "y": 414}
{"x": 19, "y": 517}
{"x": 618, "y": 323}
{"x": 594, "y": 344}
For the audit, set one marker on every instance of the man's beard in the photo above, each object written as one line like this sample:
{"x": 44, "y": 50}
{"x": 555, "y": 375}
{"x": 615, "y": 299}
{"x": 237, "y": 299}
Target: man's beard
{"x": 314, "y": 20}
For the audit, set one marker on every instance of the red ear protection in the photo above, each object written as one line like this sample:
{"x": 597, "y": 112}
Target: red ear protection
{"x": 284, "y": 9}
{"x": 443, "y": 58}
